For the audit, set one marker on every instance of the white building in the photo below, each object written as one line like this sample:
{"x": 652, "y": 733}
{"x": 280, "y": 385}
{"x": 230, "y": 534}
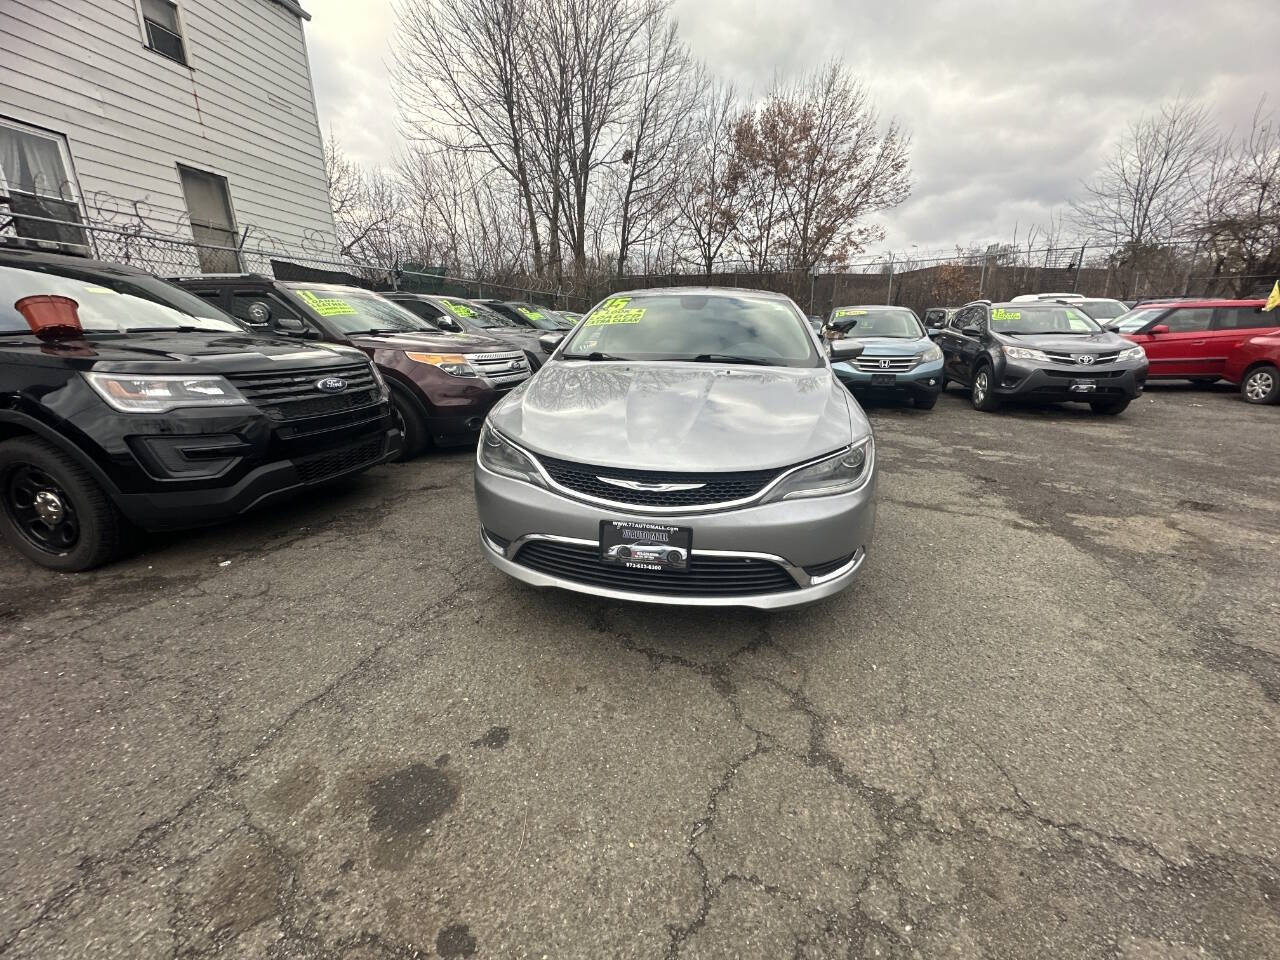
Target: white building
{"x": 193, "y": 119}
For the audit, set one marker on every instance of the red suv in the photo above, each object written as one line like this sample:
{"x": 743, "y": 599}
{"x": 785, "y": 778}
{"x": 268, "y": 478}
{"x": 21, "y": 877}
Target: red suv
{"x": 1191, "y": 339}
{"x": 1255, "y": 366}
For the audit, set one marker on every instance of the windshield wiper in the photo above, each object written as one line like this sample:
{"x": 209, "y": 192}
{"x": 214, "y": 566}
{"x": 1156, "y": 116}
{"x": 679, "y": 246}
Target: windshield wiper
{"x": 594, "y": 355}
{"x": 730, "y": 358}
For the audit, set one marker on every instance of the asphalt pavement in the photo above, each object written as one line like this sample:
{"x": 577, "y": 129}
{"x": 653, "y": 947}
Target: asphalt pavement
{"x": 1043, "y": 723}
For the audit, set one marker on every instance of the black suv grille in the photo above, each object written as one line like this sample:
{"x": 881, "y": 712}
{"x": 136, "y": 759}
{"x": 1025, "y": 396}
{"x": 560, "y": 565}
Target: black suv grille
{"x": 716, "y": 487}
{"x": 293, "y": 394}
{"x": 706, "y": 576}
{"x": 311, "y": 469}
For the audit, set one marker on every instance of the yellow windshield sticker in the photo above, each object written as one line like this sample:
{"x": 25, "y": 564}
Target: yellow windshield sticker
{"x": 326, "y": 306}
{"x": 458, "y": 309}
{"x": 848, "y": 312}
{"x": 614, "y": 311}
{"x": 1002, "y": 314}
{"x": 530, "y": 313}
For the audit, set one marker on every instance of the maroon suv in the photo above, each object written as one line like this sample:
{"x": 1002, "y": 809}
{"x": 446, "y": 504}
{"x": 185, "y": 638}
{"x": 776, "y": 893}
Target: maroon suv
{"x": 442, "y": 384}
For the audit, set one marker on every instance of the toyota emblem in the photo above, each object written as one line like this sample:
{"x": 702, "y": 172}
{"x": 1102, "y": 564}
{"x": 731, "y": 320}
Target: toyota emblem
{"x": 331, "y": 385}
{"x": 1084, "y": 359}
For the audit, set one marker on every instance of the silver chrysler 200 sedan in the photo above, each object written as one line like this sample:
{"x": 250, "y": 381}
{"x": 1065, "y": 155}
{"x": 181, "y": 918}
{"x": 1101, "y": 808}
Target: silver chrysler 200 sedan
{"x": 706, "y": 421}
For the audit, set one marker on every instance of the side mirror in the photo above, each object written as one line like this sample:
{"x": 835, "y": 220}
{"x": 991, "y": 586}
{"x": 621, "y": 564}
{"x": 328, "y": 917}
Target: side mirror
{"x": 971, "y": 331}
{"x": 448, "y": 323}
{"x": 1159, "y": 328}
{"x": 846, "y": 350}
{"x": 549, "y": 341}
{"x": 932, "y": 332}
{"x": 291, "y": 326}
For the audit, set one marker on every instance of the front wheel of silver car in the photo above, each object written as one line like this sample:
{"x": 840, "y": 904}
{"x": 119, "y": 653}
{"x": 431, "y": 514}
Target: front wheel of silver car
{"x": 980, "y": 394}
{"x": 1262, "y": 385}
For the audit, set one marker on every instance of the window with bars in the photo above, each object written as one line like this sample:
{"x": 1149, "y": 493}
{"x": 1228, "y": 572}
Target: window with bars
{"x": 39, "y": 196}
{"x": 164, "y": 29}
{"x": 212, "y": 224}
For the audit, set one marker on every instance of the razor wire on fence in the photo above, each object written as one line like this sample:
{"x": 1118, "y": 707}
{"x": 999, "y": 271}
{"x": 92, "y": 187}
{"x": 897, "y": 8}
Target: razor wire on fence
{"x": 1000, "y": 272}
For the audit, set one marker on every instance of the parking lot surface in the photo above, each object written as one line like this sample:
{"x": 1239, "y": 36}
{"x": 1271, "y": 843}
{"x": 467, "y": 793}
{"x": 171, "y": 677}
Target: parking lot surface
{"x": 1042, "y": 723}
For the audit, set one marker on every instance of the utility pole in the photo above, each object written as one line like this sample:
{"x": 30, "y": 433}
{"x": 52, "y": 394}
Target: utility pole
{"x": 889, "y": 298}
{"x": 813, "y": 279}
{"x": 1075, "y": 284}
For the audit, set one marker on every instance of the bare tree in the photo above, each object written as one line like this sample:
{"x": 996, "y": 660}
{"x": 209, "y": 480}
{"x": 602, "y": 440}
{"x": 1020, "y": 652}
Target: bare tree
{"x": 1145, "y": 192}
{"x": 358, "y": 203}
{"x": 460, "y": 75}
{"x": 706, "y": 191}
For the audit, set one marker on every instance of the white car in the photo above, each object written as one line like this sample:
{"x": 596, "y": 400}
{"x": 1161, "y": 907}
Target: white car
{"x": 1028, "y": 297}
{"x": 649, "y": 553}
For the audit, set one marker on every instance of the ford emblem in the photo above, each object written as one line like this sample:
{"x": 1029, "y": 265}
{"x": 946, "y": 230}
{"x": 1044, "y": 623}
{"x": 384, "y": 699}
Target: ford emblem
{"x": 331, "y": 385}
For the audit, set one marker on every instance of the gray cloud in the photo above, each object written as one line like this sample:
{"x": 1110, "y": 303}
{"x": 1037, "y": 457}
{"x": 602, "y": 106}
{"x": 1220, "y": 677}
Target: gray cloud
{"x": 1011, "y": 104}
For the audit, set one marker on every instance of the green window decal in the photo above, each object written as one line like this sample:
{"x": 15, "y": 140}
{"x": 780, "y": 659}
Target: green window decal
{"x": 458, "y": 309}
{"x": 848, "y": 312}
{"x": 326, "y": 306}
{"x": 530, "y": 313}
{"x": 614, "y": 311}
{"x": 1001, "y": 314}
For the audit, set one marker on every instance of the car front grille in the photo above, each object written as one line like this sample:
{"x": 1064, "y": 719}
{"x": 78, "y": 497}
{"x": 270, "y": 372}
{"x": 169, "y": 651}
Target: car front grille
{"x": 884, "y": 364}
{"x": 706, "y": 576}
{"x": 822, "y": 569}
{"x": 1058, "y": 356}
{"x": 714, "y": 487}
{"x": 1084, "y": 373}
{"x": 504, "y": 369}
{"x": 293, "y": 395}
{"x": 324, "y": 465}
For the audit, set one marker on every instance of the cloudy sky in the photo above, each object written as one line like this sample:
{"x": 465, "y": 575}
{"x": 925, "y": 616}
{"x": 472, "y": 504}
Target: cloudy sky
{"x": 1010, "y": 104}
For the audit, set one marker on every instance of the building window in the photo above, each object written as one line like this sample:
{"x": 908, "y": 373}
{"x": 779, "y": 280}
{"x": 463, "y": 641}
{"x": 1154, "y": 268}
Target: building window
{"x": 212, "y": 225}
{"x": 164, "y": 29}
{"x": 39, "y": 197}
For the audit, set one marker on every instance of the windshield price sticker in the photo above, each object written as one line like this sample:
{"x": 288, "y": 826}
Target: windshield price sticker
{"x": 326, "y": 306}
{"x": 531, "y": 314}
{"x": 614, "y": 311}
{"x": 846, "y": 312}
{"x": 1001, "y": 314}
{"x": 458, "y": 309}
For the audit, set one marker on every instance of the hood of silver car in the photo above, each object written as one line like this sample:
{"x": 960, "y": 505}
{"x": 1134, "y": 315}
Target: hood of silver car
{"x": 681, "y": 416}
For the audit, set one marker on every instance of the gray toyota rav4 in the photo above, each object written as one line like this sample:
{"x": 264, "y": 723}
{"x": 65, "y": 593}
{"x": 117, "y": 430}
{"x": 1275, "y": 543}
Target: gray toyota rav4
{"x": 683, "y": 446}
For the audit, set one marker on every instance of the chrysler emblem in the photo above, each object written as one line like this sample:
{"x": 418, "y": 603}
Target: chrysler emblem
{"x": 331, "y": 385}
{"x": 650, "y": 487}
{"x": 1085, "y": 358}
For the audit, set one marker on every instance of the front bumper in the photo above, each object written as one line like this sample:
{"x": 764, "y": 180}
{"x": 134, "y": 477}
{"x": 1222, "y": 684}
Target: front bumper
{"x": 820, "y": 543}
{"x": 924, "y": 379}
{"x": 1063, "y": 383}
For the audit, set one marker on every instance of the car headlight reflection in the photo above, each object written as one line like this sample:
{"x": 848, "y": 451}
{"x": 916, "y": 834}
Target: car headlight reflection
{"x": 1026, "y": 353}
{"x": 845, "y": 471}
{"x": 1132, "y": 353}
{"x": 500, "y": 456}
{"x": 929, "y": 354}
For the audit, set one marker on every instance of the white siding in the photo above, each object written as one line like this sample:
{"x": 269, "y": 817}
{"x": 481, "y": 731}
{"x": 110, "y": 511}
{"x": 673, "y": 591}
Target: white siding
{"x": 244, "y": 109}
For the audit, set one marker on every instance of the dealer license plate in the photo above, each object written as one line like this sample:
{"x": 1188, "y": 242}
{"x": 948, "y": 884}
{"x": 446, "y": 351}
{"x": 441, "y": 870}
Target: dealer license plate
{"x": 645, "y": 546}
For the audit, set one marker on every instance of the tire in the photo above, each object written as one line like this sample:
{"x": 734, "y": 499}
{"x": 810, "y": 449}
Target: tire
{"x": 91, "y": 531}
{"x": 925, "y": 402}
{"x": 1261, "y": 385}
{"x": 980, "y": 393}
{"x": 624, "y": 553}
{"x": 673, "y": 556}
{"x": 1109, "y": 408}
{"x": 411, "y": 424}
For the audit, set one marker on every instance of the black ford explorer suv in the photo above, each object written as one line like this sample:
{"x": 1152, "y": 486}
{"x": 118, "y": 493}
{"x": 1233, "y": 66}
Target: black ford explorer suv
{"x": 126, "y": 401}
{"x": 442, "y": 384}
{"x": 1039, "y": 350}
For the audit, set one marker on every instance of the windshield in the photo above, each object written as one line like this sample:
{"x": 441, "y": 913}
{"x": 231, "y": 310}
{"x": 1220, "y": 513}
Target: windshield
{"x": 1135, "y": 320}
{"x": 110, "y": 302}
{"x": 742, "y": 329}
{"x": 352, "y": 311}
{"x": 540, "y": 318}
{"x": 896, "y": 323}
{"x": 1040, "y": 318}
{"x": 1103, "y": 310}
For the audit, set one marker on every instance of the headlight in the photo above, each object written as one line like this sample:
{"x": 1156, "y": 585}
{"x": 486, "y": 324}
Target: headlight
{"x": 1132, "y": 353}
{"x": 929, "y": 354}
{"x": 454, "y": 364}
{"x": 158, "y": 394}
{"x": 383, "y": 390}
{"x": 502, "y": 457}
{"x": 1025, "y": 353}
{"x": 845, "y": 471}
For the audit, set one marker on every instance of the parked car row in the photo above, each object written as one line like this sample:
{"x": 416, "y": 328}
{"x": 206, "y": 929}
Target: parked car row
{"x": 1183, "y": 339}
{"x": 131, "y": 402}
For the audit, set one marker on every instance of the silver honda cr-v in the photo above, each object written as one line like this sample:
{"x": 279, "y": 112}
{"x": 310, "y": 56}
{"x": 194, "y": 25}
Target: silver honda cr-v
{"x": 683, "y": 446}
